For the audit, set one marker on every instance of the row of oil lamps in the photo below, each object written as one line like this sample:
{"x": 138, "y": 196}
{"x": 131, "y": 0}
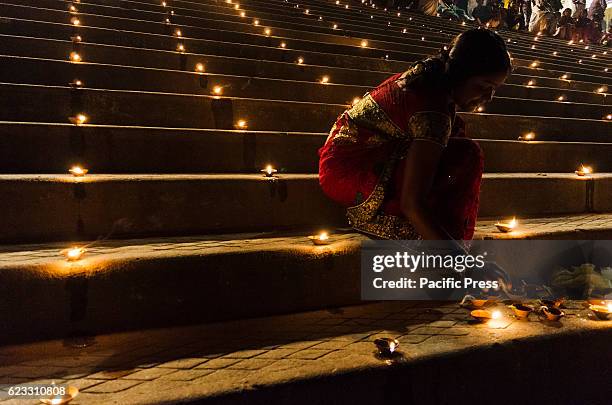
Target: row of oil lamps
{"x": 548, "y": 309}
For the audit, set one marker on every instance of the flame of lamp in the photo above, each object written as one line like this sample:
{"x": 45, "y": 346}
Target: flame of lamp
{"x": 199, "y": 67}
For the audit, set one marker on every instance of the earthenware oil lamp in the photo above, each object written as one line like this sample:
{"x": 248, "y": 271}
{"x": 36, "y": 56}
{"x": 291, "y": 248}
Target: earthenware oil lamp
{"x": 71, "y": 393}
{"x": 268, "y": 171}
{"x": 78, "y": 171}
{"x": 483, "y": 315}
{"x": 74, "y": 253}
{"x": 552, "y": 314}
{"x": 386, "y": 346}
{"x": 521, "y": 311}
{"x": 321, "y": 239}
{"x": 583, "y": 170}
{"x": 78, "y": 119}
{"x": 506, "y": 227}
{"x": 529, "y": 136}
{"x": 602, "y": 311}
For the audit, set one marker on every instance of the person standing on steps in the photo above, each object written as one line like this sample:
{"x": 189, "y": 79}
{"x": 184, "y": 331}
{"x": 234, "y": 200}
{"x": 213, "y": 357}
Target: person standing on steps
{"x": 399, "y": 159}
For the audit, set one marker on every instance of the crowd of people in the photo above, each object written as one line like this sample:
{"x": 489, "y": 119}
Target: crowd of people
{"x": 590, "y": 25}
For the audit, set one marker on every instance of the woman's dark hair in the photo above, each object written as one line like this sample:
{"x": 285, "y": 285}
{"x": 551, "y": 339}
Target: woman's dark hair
{"x": 474, "y": 52}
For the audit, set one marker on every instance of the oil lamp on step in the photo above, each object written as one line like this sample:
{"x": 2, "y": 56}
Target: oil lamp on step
{"x": 584, "y": 170}
{"x": 269, "y": 171}
{"x": 78, "y": 171}
{"x": 78, "y": 119}
{"x": 506, "y": 227}
{"x": 529, "y": 136}
{"x": 321, "y": 239}
{"x": 74, "y": 253}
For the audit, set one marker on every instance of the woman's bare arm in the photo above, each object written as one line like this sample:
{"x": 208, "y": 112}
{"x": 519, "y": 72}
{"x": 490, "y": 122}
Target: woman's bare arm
{"x": 421, "y": 166}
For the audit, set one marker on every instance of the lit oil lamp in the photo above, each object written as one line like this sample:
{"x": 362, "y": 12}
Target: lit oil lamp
{"x": 78, "y": 171}
{"x": 529, "y": 136}
{"x": 364, "y": 43}
{"x": 74, "y": 253}
{"x": 242, "y": 14}
{"x": 78, "y": 119}
{"x": 480, "y": 108}
{"x": 73, "y": 9}
{"x": 164, "y": 4}
{"x": 178, "y": 33}
{"x": 386, "y": 346}
{"x": 335, "y": 26}
{"x": 180, "y": 48}
{"x": 602, "y": 311}
{"x": 241, "y": 124}
{"x": 269, "y": 171}
{"x": 283, "y": 45}
{"x": 321, "y": 239}
{"x": 75, "y": 57}
{"x": 561, "y": 98}
{"x": 584, "y": 170}
{"x": 237, "y": 7}
{"x": 76, "y": 38}
{"x": 609, "y": 117}
{"x": 76, "y": 83}
{"x": 483, "y": 315}
{"x": 564, "y": 77}
{"x": 267, "y": 31}
{"x": 300, "y": 60}
{"x": 355, "y": 101}
{"x": 506, "y": 227}
{"x": 325, "y": 80}
{"x": 601, "y": 90}
{"x": 217, "y": 90}
{"x": 71, "y": 393}
{"x": 255, "y": 22}
{"x": 199, "y": 67}
{"x": 531, "y": 82}
{"x": 75, "y": 21}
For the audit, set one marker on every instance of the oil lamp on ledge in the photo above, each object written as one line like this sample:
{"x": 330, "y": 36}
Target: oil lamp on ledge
{"x": 78, "y": 119}
{"x": 506, "y": 227}
{"x": 78, "y": 171}
{"x": 74, "y": 253}
{"x": 583, "y": 170}
{"x": 529, "y": 136}
{"x": 76, "y": 84}
{"x": 269, "y": 171}
{"x": 321, "y": 239}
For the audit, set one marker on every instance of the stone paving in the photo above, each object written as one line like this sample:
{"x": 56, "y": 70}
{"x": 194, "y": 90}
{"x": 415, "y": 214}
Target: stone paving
{"x": 205, "y": 360}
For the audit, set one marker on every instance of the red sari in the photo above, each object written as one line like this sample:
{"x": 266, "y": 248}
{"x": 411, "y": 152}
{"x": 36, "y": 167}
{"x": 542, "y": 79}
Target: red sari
{"x": 362, "y": 163}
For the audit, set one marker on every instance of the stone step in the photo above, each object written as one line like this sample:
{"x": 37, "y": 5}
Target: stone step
{"x": 394, "y": 51}
{"x": 53, "y": 148}
{"x": 29, "y": 103}
{"x": 224, "y": 16}
{"x": 328, "y": 356}
{"x": 60, "y": 207}
{"x": 281, "y": 66}
{"x": 130, "y": 284}
{"x": 22, "y": 70}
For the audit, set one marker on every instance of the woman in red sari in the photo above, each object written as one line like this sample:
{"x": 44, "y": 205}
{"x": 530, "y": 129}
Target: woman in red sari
{"x": 399, "y": 159}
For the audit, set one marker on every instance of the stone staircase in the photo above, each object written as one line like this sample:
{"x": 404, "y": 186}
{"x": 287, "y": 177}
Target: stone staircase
{"x": 179, "y": 224}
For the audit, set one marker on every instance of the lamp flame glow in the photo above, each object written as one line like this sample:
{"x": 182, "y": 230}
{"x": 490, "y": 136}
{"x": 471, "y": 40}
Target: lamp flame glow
{"x": 74, "y": 253}
{"x": 78, "y": 119}
{"x": 269, "y": 171}
{"x": 78, "y": 171}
